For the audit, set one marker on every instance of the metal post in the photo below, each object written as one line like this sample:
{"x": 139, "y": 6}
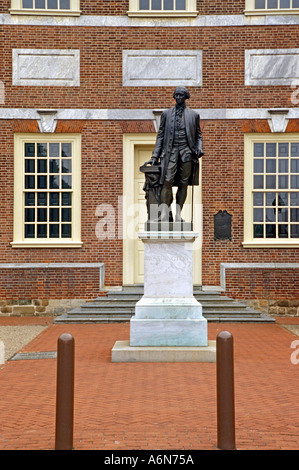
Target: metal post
{"x": 65, "y": 392}
{"x": 225, "y": 391}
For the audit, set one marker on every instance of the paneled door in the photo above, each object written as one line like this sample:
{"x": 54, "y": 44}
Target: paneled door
{"x": 143, "y": 154}
{"x": 137, "y": 149}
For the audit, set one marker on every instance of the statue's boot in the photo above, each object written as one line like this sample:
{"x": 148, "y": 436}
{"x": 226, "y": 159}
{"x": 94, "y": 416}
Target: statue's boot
{"x": 180, "y": 199}
{"x": 166, "y": 200}
{"x": 178, "y": 217}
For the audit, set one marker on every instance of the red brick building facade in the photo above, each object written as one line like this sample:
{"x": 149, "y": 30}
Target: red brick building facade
{"x": 82, "y": 87}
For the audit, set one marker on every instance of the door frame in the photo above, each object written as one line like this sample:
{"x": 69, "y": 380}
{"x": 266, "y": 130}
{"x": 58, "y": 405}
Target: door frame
{"x": 130, "y": 141}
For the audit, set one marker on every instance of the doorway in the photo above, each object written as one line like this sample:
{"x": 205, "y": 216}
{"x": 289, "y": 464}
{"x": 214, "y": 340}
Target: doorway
{"x": 137, "y": 150}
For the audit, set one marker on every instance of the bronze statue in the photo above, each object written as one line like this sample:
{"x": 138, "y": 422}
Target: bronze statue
{"x": 178, "y": 147}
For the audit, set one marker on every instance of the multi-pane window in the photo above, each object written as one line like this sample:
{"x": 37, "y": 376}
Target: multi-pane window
{"x": 271, "y": 6}
{"x": 274, "y": 4}
{"x": 47, "y": 4}
{"x": 162, "y": 8}
{"x": 45, "y": 7}
{"x": 275, "y": 190}
{"x": 47, "y": 191}
{"x": 162, "y": 4}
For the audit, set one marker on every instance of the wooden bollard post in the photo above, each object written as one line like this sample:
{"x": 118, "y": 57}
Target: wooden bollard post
{"x": 225, "y": 391}
{"x": 65, "y": 392}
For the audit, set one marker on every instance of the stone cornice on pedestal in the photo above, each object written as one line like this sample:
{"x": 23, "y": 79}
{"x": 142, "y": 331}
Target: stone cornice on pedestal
{"x": 161, "y": 236}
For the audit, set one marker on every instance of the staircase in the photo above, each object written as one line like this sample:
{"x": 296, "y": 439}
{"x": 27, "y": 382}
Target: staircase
{"x": 119, "y": 306}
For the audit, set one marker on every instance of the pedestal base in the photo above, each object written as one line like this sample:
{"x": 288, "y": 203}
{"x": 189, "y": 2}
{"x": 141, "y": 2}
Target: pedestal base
{"x": 168, "y": 308}
{"x": 168, "y": 332}
{"x": 151, "y": 226}
{"x": 123, "y": 352}
{"x": 168, "y": 324}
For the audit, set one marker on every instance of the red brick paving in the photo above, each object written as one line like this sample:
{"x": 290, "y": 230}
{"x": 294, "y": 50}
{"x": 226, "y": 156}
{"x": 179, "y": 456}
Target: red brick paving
{"x": 11, "y": 321}
{"x": 153, "y": 405}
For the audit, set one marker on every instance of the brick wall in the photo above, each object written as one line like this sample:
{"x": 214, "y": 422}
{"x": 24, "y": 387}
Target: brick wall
{"x": 272, "y": 291}
{"x": 24, "y": 284}
{"x": 102, "y": 152}
{"x": 101, "y": 66}
{"x": 262, "y": 283}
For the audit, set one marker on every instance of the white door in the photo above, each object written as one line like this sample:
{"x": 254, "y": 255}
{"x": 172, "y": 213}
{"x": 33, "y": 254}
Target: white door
{"x": 142, "y": 155}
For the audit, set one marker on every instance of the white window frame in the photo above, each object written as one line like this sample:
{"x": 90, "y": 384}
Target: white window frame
{"x": 251, "y": 10}
{"x": 17, "y": 9}
{"x": 249, "y": 240}
{"x": 19, "y": 240}
{"x": 189, "y": 11}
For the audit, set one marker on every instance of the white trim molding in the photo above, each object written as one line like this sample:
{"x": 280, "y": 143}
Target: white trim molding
{"x": 127, "y": 22}
{"x": 142, "y": 114}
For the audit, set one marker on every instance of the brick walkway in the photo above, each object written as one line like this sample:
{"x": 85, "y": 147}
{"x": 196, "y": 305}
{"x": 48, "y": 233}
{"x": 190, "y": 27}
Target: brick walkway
{"x": 156, "y": 405}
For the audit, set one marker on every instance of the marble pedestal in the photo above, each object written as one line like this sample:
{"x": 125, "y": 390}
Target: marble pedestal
{"x": 168, "y": 324}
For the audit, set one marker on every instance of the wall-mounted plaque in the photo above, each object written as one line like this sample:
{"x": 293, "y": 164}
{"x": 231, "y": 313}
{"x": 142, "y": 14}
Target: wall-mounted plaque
{"x": 222, "y": 225}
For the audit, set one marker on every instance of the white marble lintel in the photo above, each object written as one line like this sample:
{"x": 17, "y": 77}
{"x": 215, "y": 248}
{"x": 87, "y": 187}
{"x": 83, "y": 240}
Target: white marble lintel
{"x": 168, "y": 236}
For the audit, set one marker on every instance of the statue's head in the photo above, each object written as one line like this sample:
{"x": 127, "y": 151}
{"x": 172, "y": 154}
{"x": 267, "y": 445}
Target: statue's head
{"x": 181, "y": 90}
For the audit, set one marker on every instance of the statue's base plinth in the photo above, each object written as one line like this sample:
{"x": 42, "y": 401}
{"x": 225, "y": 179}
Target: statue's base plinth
{"x": 123, "y": 352}
{"x": 168, "y": 321}
{"x": 157, "y": 226}
{"x": 168, "y": 332}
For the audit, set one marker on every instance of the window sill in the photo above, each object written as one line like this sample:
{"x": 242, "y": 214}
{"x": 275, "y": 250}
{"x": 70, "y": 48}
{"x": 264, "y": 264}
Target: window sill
{"x": 162, "y": 14}
{"x": 271, "y": 244}
{"x": 271, "y": 12}
{"x": 50, "y": 244}
{"x": 45, "y": 12}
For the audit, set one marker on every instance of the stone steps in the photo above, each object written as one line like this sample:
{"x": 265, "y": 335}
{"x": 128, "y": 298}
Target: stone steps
{"x": 119, "y": 306}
